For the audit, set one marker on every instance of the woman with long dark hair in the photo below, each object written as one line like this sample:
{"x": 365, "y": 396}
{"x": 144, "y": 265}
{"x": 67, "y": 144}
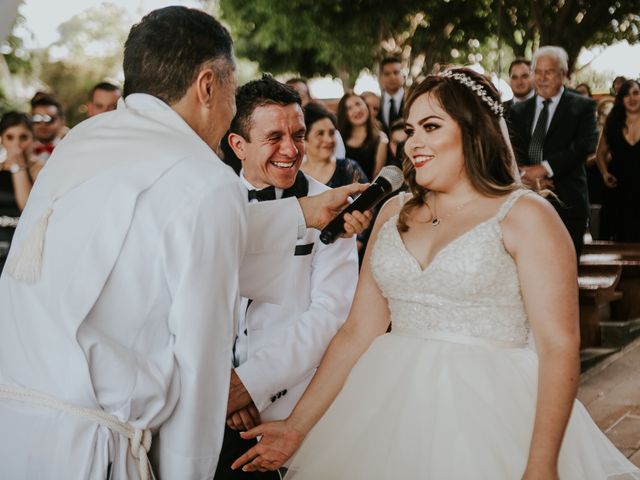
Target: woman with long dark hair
{"x": 364, "y": 141}
{"x": 618, "y": 158}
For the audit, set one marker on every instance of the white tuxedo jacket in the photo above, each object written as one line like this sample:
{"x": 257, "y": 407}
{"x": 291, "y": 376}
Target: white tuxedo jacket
{"x": 286, "y": 342}
{"x": 133, "y": 313}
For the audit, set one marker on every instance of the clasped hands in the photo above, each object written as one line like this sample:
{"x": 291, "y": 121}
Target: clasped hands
{"x": 536, "y": 177}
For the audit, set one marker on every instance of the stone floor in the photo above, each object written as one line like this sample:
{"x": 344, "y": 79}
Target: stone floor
{"x": 611, "y": 393}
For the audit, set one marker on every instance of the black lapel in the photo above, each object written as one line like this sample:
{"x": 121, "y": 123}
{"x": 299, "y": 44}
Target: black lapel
{"x": 530, "y": 112}
{"x": 300, "y": 187}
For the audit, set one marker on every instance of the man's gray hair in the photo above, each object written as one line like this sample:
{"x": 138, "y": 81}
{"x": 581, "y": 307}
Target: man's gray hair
{"x": 558, "y": 53}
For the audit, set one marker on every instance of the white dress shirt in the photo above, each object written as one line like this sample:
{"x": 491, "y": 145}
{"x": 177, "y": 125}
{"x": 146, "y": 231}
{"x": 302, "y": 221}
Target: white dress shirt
{"x": 553, "y": 104}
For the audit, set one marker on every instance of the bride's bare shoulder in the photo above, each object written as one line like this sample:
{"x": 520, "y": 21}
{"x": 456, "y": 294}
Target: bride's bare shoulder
{"x": 393, "y": 206}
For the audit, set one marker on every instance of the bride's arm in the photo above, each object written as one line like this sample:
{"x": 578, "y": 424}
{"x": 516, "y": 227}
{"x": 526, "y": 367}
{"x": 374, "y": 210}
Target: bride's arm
{"x": 540, "y": 244}
{"x": 368, "y": 318}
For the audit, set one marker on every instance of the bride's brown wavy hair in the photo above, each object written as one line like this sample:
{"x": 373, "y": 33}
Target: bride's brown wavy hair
{"x": 487, "y": 157}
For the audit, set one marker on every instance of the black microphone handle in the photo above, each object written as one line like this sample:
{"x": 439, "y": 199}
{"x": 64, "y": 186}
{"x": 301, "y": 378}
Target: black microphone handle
{"x": 367, "y": 200}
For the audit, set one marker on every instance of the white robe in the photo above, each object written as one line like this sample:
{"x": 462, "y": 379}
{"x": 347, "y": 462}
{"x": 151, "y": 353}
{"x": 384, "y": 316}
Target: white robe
{"x": 134, "y": 310}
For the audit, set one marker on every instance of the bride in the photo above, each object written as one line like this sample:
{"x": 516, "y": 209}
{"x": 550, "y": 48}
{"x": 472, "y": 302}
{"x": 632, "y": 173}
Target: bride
{"x": 470, "y": 270}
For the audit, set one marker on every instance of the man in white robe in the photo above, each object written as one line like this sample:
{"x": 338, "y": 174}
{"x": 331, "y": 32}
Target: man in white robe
{"x": 117, "y": 302}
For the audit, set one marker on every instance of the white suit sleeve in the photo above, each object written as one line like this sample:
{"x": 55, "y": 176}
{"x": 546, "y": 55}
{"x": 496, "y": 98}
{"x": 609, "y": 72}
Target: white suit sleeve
{"x": 271, "y": 240}
{"x": 204, "y": 245}
{"x": 334, "y": 275}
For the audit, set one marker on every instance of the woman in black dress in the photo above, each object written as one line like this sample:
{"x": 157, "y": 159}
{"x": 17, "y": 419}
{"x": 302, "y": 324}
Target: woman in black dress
{"x": 18, "y": 170}
{"x": 363, "y": 140}
{"x": 620, "y": 141}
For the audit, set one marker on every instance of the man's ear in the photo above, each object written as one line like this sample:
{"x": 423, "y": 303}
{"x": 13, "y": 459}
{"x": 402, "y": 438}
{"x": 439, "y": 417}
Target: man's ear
{"x": 238, "y": 144}
{"x": 206, "y": 86}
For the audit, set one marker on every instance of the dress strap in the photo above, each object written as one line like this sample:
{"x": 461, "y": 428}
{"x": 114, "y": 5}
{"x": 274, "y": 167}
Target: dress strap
{"x": 508, "y": 203}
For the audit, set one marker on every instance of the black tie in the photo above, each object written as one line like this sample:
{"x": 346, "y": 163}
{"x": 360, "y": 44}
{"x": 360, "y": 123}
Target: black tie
{"x": 268, "y": 193}
{"x": 393, "y": 111}
{"x": 537, "y": 139}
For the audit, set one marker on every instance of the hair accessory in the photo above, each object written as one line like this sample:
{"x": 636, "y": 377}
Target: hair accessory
{"x": 496, "y": 107}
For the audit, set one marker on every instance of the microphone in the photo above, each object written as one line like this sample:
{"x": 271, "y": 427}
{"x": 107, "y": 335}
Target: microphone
{"x": 388, "y": 180}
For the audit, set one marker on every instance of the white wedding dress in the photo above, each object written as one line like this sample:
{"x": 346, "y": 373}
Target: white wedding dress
{"x": 450, "y": 393}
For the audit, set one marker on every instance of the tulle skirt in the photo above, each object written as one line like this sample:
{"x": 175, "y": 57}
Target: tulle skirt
{"x": 415, "y": 408}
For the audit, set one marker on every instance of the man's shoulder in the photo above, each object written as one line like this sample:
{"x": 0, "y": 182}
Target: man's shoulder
{"x": 578, "y": 101}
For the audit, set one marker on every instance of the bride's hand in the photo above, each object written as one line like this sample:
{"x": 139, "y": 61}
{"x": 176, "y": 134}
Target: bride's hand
{"x": 278, "y": 443}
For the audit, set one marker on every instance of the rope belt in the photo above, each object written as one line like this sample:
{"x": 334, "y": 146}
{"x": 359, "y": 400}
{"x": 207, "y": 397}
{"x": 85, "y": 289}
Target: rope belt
{"x": 6, "y": 221}
{"x": 139, "y": 440}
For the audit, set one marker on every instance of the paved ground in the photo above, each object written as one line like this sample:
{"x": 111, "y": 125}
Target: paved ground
{"x": 611, "y": 393}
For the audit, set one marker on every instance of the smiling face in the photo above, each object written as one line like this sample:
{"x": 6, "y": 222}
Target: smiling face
{"x": 631, "y": 100}
{"x": 520, "y": 80}
{"x": 321, "y": 140}
{"x": 434, "y": 145}
{"x": 274, "y": 154}
{"x": 47, "y": 123}
{"x": 549, "y": 76}
{"x": 357, "y": 110}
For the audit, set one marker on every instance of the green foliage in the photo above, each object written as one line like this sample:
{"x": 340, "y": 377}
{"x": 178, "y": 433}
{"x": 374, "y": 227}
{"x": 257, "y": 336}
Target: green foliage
{"x": 341, "y": 37}
{"x": 18, "y": 59}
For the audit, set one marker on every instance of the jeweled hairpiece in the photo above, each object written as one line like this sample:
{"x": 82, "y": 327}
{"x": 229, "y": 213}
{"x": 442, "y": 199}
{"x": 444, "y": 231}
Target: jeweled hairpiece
{"x": 496, "y": 107}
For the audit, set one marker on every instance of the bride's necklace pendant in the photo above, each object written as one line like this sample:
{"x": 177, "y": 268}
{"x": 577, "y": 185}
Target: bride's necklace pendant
{"x": 435, "y": 222}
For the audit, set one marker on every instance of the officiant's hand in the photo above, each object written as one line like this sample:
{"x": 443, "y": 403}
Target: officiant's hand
{"x": 244, "y": 419}
{"x": 320, "y": 209}
{"x": 238, "y": 395}
{"x": 278, "y": 443}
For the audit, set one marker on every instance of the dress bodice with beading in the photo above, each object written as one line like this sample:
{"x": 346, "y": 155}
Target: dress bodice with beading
{"x": 470, "y": 288}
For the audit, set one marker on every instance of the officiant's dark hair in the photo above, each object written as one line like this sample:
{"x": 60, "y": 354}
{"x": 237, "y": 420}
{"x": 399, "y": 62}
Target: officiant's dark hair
{"x": 257, "y": 93}
{"x": 166, "y": 50}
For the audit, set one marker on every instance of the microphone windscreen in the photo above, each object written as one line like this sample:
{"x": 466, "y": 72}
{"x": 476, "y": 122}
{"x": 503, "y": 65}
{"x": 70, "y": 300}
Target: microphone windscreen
{"x": 393, "y": 175}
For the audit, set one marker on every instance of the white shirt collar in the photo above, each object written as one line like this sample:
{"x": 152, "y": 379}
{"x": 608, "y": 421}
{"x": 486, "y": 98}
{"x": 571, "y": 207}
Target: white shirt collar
{"x": 554, "y": 100}
{"x": 250, "y": 186}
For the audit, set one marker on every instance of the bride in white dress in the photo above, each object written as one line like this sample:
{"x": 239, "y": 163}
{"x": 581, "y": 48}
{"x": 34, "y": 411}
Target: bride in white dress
{"x": 469, "y": 270}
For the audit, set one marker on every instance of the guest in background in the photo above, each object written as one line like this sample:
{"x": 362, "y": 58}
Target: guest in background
{"x": 584, "y": 89}
{"x": 392, "y": 86}
{"x": 48, "y": 125}
{"x": 103, "y": 98}
{"x": 373, "y": 102}
{"x": 18, "y": 170}
{"x": 616, "y": 84}
{"x": 618, "y": 158}
{"x": 520, "y": 81}
{"x": 320, "y": 162}
{"x": 301, "y": 86}
{"x": 553, "y": 133}
{"x": 397, "y": 137}
{"x": 364, "y": 142}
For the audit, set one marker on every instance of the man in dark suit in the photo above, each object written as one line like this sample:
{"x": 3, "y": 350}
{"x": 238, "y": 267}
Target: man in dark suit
{"x": 392, "y": 92}
{"x": 520, "y": 81}
{"x": 552, "y": 135}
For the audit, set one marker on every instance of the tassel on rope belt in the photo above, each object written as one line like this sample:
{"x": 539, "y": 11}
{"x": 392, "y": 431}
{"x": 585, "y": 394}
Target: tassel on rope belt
{"x": 6, "y": 221}
{"x": 139, "y": 440}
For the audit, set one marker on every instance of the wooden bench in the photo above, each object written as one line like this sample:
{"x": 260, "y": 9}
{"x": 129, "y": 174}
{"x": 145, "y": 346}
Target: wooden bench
{"x": 597, "y": 291}
{"x": 624, "y": 325}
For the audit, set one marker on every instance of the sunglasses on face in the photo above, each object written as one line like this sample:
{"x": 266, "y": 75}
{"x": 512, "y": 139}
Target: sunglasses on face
{"x": 48, "y": 119}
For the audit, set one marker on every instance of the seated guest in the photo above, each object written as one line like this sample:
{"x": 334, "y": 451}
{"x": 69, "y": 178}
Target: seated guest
{"x": 320, "y": 162}
{"x": 365, "y": 142}
{"x": 278, "y": 347}
{"x": 103, "y": 97}
{"x": 48, "y": 125}
{"x": 18, "y": 170}
{"x": 373, "y": 102}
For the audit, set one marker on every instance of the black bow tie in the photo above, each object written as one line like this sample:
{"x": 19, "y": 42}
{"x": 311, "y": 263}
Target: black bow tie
{"x": 268, "y": 193}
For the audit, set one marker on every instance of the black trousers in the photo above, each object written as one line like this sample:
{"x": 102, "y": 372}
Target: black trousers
{"x": 234, "y": 446}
